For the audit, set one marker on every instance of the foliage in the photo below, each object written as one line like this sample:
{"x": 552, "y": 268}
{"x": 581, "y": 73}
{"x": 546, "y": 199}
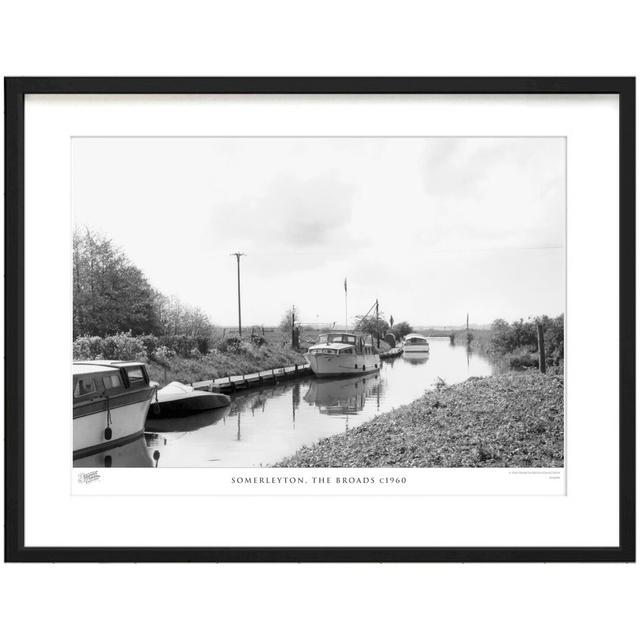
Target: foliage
{"x": 288, "y": 318}
{"x": 514, "y": 420}
{"x": 121, "y": 346}
{"x": 230, "y": 345}
{"x": 521, "y": 338}
{"x": 257, "y": 340}
{"x": 401, "y": 329}
{"x": 247, "y": 358}
{"x": 370, "y": 326}
{"x": 112, "y": 296}
{"x": 125, "y": 346}
{"x": 178, "y": 319}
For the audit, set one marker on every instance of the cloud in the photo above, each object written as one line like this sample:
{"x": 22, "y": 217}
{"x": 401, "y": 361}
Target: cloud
{"x": 292, "y": 216}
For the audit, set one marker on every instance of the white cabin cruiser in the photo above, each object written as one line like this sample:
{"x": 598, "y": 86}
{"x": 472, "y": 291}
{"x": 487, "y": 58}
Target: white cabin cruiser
{"x": 414, "y": 342}
{"x": 340, "y": 353}
{"x": 110, "y": 404}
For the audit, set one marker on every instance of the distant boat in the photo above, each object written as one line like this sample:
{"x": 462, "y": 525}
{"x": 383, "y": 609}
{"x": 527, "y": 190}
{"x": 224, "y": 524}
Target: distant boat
{"x": 341, "y": 353}
{"x": 177, "y": 399}
{"x": 110, "y": 403}
{"x": 414, "y": 342}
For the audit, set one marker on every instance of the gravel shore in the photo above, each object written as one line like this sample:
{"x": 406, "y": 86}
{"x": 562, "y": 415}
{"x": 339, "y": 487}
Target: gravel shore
{"x": 512, "y": 420}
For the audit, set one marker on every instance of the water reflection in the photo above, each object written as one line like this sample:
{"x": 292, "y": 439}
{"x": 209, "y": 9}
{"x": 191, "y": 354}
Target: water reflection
{"x": 265, "y": 425}
{"x": 187, "y": 423}
{"x": 342, "y": 396}
{"x": 416, "y": 357}
{"x": 132, "y": 454}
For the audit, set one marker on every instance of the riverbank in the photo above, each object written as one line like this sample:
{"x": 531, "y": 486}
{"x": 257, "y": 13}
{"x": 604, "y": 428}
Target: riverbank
{"x": 508, "y": 420}
{"x": 220, "y": 364}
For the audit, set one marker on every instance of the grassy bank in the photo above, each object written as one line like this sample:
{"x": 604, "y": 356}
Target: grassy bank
{"x": 510, "y": 420}
{"x": 218, "y": 364}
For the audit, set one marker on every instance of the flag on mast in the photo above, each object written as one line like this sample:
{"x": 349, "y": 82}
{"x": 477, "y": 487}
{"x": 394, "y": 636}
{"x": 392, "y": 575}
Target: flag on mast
{"x": 346, "y": 315}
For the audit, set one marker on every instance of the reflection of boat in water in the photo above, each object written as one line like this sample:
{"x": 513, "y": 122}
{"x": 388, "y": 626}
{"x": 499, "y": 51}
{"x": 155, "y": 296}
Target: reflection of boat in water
{"x": 132, "y": 454}
{"x": 110, "y": 403}
{"x": 177, "y": 399}
{"x": 340, "y": 353}
{"x": 341, "y": 396}
{"x": 414, "y": 342}
{"x": 416, "y": 357}
{"x": 188, "y": 423}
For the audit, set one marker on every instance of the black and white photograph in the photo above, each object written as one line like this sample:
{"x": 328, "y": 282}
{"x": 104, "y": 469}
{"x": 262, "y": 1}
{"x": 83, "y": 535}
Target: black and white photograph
{"x": 326, "y": 302}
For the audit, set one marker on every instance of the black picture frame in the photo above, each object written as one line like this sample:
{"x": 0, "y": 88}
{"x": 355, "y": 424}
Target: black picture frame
{"x": 15, "y": 91}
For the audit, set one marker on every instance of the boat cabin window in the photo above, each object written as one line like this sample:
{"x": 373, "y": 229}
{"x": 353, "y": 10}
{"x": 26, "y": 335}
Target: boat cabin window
{"x": 136, "y": 375}
{"x": 336, "y": 337}
{"x": 84, "y": 387}
{"x": 111, "y": 381}
{"x": 350, "y": 351}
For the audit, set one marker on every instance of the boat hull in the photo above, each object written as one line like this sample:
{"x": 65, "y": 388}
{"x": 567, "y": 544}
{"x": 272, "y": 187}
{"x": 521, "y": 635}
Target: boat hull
{"x": 326, "y": 366}
{"x": 121, "y": 419}
{"x": 186, "y": 404}
{"x": 416, "y": 348}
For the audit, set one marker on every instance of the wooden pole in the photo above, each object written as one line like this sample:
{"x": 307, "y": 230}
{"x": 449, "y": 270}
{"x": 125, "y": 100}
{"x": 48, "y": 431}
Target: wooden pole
{"x": 237, "y": 254}
{"x": 541, "y": 355}
{"x": 293, "y": 325}
{"x": 377, "y": 323}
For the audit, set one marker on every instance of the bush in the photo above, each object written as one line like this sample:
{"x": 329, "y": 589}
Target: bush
{"x": 121, "y": 346}
{"x": 163, "y": 355}
{"x": 184, "y": 345}
{"x": 87, "y": 348}
{"x": 523, "y": 336}
{"x": 257, "y": 340}
{"x": 231, "y": 345}
{"x": 526, "y": 361}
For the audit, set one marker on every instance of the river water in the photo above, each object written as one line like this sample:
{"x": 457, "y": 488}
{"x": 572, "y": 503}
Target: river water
{"x": 265, "y": 425}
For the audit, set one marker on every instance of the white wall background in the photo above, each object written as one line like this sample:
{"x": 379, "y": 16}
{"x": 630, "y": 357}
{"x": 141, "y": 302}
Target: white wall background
{"x": 329, "y": 38}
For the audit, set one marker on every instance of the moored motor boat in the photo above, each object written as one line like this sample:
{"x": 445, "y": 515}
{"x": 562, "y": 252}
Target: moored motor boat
{"x": 339, "y": 353}
{"x": 414, "y": 342}
{"x": 177, "y": 399}
{"x": 110, "y": 403}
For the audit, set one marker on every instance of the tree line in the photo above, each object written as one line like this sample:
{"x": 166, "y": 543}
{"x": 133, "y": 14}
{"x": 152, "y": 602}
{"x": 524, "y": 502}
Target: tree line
{"x": 111, "y": 295}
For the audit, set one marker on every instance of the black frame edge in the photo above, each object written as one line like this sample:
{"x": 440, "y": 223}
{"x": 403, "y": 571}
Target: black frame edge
{"x": 15, "y": 90}
{"x": 14, "y": 322}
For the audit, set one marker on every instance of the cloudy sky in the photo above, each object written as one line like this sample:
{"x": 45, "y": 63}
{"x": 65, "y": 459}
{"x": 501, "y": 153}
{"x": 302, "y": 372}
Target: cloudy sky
{"x": 433, "y": 227}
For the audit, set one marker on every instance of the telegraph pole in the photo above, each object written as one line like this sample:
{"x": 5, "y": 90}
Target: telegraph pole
{"x": 238, "y": 255}
{"x": 293, "y": 327}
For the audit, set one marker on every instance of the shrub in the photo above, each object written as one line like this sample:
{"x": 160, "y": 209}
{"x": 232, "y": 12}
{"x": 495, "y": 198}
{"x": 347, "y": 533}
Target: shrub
{"x": 123, "y": 346}
{"x": 184, "y": 345}
{"x": 523, "y": 362}
{"x": 257, "y": 340}
{"x": 87, "y": 348}
{"x": 163, "y": 355}
{"x": 231, "y": 345}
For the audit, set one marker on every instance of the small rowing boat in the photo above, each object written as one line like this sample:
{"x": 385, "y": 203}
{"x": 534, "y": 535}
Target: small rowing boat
{"x": 177, "y": 399}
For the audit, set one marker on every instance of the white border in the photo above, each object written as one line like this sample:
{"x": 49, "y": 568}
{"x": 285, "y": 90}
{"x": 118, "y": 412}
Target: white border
{"x": 586, "y": 516}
